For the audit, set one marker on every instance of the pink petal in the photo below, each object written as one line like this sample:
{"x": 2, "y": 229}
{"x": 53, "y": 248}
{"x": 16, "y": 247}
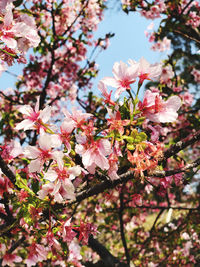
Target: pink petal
{"x": 35, "y": 165}
{"x": 25, "y": 124}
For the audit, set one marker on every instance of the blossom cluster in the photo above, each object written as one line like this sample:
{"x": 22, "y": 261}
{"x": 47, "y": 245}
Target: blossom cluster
{"x": 18, "y": 32}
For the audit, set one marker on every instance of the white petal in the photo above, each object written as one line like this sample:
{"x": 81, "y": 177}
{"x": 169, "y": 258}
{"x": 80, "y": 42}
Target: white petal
{"x": 25, "y": 124}
{"x": 174, "y": 102}
{"x": 35, "y": 165}
{"x": 55, "y": 140}
{"x": 45, "y": 141}
{"x": 110, "y": 81}
{"x": 58, "y": 156}
{"x": 26, "y": 110}
{"x": 51, "y": 175}
{"x": 31, "y": 152}
{"x": 45, "y": 114}
{"x": 102, "y": 162}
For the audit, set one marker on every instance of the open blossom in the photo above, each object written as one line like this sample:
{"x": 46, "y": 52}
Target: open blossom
{"x": 167, "y": 74}
{"x": 36, "y": 254}
{"x": 146, "y": 71}
{"x": 115, "y": 122}
{"x": 94, "y": 153}
{"x": 35, "y": 118}
{"x": 196, "y": 74}
{"x": 62, "y": 188}
{"x": 162, "y": 45}
{"x": 157, "y": 110}
{"x": 44, "y": 152}
{"x": 10, "y": 259}
{"x": 124, "y": 75}
{"x": 76, "y": 119}
{"x": 106, "y": 95}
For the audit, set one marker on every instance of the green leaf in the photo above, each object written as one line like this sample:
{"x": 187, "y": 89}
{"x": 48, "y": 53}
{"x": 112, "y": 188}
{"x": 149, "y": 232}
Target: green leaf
{"x": 130, "y": 147}
{"x": 22, "y": 183}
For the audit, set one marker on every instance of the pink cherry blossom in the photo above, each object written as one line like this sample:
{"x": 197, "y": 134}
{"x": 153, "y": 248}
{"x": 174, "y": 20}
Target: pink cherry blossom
{"x": 146, "y": 71}
{"x": 124, "y": 75}
{"x": 36, "y": 254}
{"x": 60, "y": 190}
{"x": 24, "y": 27}
{"x": 35, "y": 118}
{"x": 44, "y": 152}
{"x": 157, "y": 110}
{"x": 76, "y": 119}
{"x": 106, "y": 95}
{"x": 94, "y": 154}
{"x": 167, "y": 74}
{"x": 196, "y": 74}
{"x": 10, "y": 259}
{"x": 67, "y": 231}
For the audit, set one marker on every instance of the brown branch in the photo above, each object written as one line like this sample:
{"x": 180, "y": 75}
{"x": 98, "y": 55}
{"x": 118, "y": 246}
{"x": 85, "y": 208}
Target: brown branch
{"x": 187, "y": 36}
{"x": 108, "y": 259}
{"x": 16, "y": 244}
{"x": 8, "y": 173}
{"x": 164, "y": 208}
{"x": 174, "y": 149}
{"x": 121, "y": 196}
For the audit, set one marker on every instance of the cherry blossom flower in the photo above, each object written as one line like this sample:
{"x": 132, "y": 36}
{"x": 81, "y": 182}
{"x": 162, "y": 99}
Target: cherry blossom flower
{"x": 76, "y": 119}
{"x": 10, "y": 259}
{"x": 35, "y": 118}
{"x": 59, "y": 190}
{"x": 107, "y": 96}
{"x": 16, "y": 149}
{"x": 12, "y": 29}
{"x": 167, "y": 74}
{"x": 67, "y": 231}
{"x": 74, "y": 252}
{"x": 62, "y": 188}
{"x": 162, "y": 45}
{"x": 196, "y": 74}
{"x": 44, "y": 152}
{"x": 7, "y": 33}
{"x": 94, "y": 154}
{"x": 115, "y": 122}
{"x": 36, "y": 254}
{"x": 157, "y": 110}
{"x": 146, "y": 71}
{"x": 124, "y": 75}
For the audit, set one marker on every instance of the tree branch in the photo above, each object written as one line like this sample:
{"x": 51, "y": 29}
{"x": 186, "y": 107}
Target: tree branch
{"x": 121, "y": 196}
{"x": 108, "y": 259}
{"x": 174, "y": 149}
{"x": 8, "y": 173}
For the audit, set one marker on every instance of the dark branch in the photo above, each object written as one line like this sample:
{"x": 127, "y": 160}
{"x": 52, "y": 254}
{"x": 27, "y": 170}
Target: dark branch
{"x": 108, "y": 259}
{"x": 8, "y": 173}
{"x": 122, "y": 226}
{"x": 174, "y": 149}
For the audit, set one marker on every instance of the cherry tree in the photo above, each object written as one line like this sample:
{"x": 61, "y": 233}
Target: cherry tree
{"x": 107, "y": 179}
